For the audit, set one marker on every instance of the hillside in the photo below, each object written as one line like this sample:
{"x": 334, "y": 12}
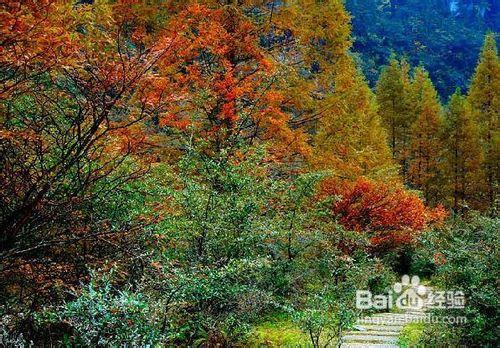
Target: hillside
{"x": 443, "y": 35}
{"x": 221, "y": 174}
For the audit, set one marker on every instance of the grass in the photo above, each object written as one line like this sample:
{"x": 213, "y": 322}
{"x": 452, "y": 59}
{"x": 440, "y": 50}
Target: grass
{"x": 411, "y": 335}
{"x": 278, "y": 331}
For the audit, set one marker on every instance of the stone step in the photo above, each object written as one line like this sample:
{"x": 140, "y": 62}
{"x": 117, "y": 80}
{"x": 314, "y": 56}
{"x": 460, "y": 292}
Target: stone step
{"x": 368, "y": 345}
{"x": 373, "y": 333}
{"x": 390, "y": 328}
{"x": 369, "y": 338}
{"x": 381, "y": 330}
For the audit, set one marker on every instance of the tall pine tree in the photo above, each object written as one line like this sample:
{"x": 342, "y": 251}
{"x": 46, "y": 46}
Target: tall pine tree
{"x": 392, "y": 90}
{"x": 426, "y": 147}
{"x": 484, "y": 98}
{"x": 349, "y": 137}
{"x": 464, "y": 157}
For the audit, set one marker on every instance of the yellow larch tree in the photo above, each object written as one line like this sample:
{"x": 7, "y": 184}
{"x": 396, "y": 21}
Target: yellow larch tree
{"x": 392, "y": 97}
{"x": 484, "y": 98}
{"x": 350, "y": 138}
{"x": 463, "y": 155}
{"x": 426, "y": 150}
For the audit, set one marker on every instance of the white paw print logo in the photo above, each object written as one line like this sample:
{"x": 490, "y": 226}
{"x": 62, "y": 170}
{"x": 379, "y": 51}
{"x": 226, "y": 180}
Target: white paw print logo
{"x": 414, "y": 282}
{"x": 410, "y": 292}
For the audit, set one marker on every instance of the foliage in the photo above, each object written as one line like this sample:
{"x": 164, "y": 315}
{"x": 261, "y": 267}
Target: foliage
{"x": 391, "y": 217}
{"x": 350, "y": 139}
{"x": 103, "y": 316}
{"x": 443, "y": 35}
{"x": 394, "y": 108}
{"x": 483, "y": 97}
{"x": 448, "y": 153}
{"x": 465, "y": 258}
{"x": 278, "y": 331}
{"x": 218, "y": 162}
{"x": 328, "y": 313}
{"x": 438, "y": 334}
{"x": 234, "y": 236}
{"x": 72, "y": 132}
{"x": 10, "y": 338}
{"x": 411, "y": 335}
{"x": 82, "y": 120}
{"x": 464, "y": 156}
{"x": 426, "y": 145}
{"x": 358, "y": 271}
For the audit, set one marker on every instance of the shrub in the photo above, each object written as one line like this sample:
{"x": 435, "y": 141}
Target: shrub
{"x": 326, "y": 307}
{"x": 104, "y": 316}
{"x": 465, "y": 256}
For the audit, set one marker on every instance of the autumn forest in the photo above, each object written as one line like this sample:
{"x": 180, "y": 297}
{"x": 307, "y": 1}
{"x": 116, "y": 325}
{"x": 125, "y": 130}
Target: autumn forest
{"x": 220, "y": 173}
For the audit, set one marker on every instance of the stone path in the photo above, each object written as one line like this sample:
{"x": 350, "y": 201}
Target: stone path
{"x": 381, "y": 330}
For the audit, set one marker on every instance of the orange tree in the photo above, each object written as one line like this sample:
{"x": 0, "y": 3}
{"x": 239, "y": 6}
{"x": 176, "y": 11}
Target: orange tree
{"x": 391, "y": 216}
{"x": 71, "y": 121}
{"x": 231, "y": 95}
{"x": 93, "y": 94}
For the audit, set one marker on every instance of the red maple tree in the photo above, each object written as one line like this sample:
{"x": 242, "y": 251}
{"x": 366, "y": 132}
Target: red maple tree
{"x": 391, "y": 216}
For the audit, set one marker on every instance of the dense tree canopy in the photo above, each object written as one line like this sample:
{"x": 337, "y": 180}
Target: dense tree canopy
{"x": 444, "y": 35}
{"x": 173, "y": 173}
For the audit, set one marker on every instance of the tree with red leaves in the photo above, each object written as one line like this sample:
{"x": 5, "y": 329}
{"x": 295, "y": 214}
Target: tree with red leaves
{"x": 231, "y": 96}
{"x": 390, "y": 216}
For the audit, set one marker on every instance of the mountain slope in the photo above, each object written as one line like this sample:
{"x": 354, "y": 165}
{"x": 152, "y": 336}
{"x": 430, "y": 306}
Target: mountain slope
{"x": 443, "y": 35}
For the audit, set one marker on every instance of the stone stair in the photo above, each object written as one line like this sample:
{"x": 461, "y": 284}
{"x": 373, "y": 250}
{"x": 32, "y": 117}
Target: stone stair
{"x": 381, "y": 330}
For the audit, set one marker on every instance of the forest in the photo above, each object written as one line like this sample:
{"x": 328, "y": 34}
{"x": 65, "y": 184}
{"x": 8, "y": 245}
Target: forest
{"x": 230, "y": 173}
{"x": 442, "y": 35}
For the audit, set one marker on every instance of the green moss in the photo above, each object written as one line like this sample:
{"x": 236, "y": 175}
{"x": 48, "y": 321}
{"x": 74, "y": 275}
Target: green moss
{"x": 278, "y": 331}
{"x": 411, "y": 335}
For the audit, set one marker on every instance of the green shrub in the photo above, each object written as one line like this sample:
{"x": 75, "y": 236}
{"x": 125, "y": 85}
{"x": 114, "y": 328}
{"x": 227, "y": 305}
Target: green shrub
{"x": 103, "y": 316}
{"x": 411, "y": 335}
{"x": 9, "y": 338}
{"x": 228, "y": 246}
{"x": 466, "y": 256}
{"x": 217, "y": 305}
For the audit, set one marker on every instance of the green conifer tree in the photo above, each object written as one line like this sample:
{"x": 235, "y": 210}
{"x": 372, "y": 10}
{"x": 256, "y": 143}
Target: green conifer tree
{"x": 350, "y": 138}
